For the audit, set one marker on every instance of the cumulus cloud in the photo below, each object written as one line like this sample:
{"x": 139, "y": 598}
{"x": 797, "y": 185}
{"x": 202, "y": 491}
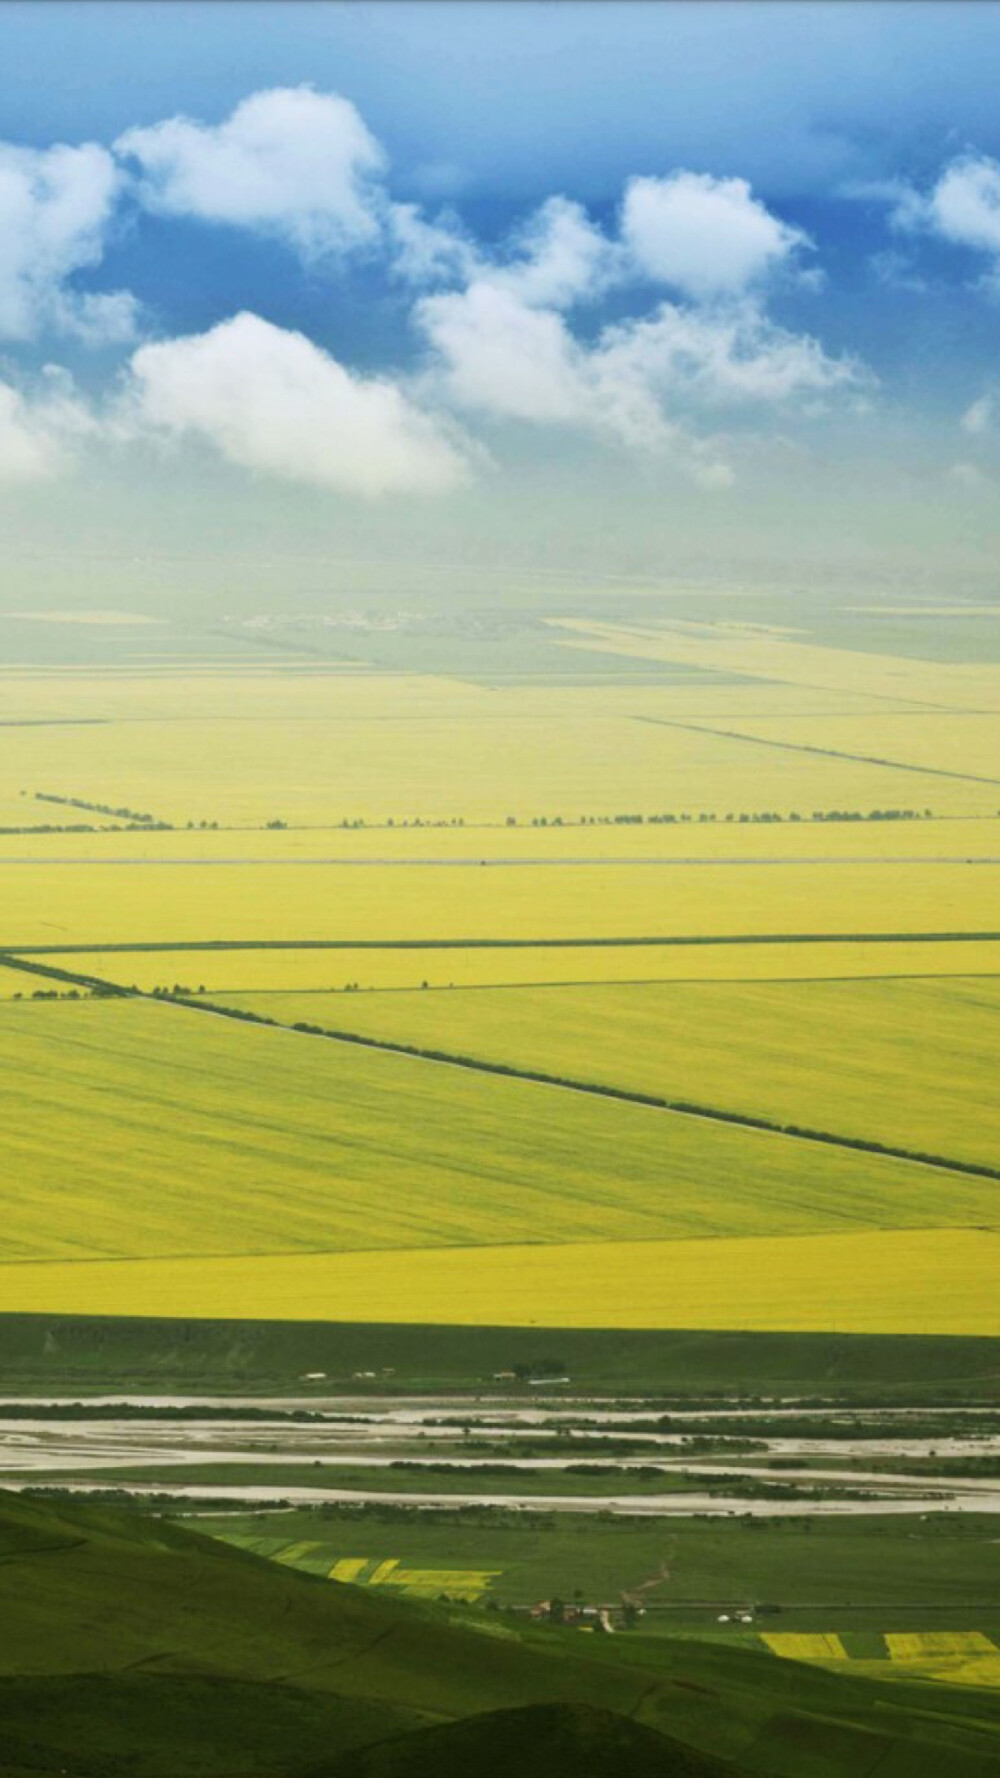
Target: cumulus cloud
{"x": 495, "y": 353}
{"x": 426, "y": 253}
{"x": 38, "y": 429}
{"x": 558, "y": 258}
{"x": 289, "y": 162}
{"x": 705, "y": 237}
{"x": 962, "y": 207}
{"x": 271, "y": 401}
{"x": 56, "y": 210}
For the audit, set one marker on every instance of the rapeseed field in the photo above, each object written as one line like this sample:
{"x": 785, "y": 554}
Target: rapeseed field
{"x": 100, "y": 905}
{"x": 927, "y": 1281}
{"x": 145, "y": 1129}
{"x": 913, "y": 1064}
{"x": 251, "y": 976}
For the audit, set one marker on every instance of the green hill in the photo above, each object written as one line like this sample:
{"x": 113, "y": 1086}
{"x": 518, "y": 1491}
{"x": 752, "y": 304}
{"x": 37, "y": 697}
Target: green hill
{"x": 535, "y": 1742}
{"x": 131, "y": 1647}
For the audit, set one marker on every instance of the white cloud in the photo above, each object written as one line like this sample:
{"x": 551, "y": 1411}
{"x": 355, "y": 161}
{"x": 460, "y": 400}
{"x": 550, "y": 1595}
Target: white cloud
{"x": 271, "y": 401}
{"x": 558, "y": 258}
{"x": 706, "y": 237}
{"x": 555, "y": 259}
{"x": 964, "y": 206}
{"x": 496, "y": 354}
{"x": 290, "y": 162}
{"x": 37, "y": 430}
{"x": 978, "y": 418}
{"x": 722, "y": 358}
{"x": 427, "y": 253}
{"x": 56, "y": 209}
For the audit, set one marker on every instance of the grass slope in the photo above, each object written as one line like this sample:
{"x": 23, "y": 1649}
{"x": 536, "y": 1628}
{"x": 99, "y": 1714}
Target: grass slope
{"x": 115, "y": 1632}
{"x": 542, "y": 1741}
{"x": 60, "y": 1352}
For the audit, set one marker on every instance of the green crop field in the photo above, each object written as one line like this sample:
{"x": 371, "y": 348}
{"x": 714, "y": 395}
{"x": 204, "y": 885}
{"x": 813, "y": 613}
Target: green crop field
{"x": 909, "y": 1063}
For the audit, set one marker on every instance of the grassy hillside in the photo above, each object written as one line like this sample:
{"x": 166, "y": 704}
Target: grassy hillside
{"x": 201, "y": 1659}
{"x": 60, "y": 1352}
{"x": 536, "y": 1742}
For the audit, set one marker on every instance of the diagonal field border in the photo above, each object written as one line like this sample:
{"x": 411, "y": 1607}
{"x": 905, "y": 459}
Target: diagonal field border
{"x": 536, "y": 1076}
{"x": 862, "y": 759}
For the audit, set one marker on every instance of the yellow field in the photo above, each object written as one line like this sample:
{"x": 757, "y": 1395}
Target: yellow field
{"x": 921, "y": 1645}
{"x": 206, "y": 1167}
{"x": 952, "y": 838}
{"x": 246, "y": 749}
{"x": 910, "y": 1063}
{"x": 265, "y": 972}
{"x": 802, "y": 1647}
{"x": 954, "y": 1657}
{"x": 99, "y": 905}
{"x": 847, "y": 672}
{"x": 918, "y": 1281}
{"x": 18, "y": 981}
{"x": 144, "y": 1129}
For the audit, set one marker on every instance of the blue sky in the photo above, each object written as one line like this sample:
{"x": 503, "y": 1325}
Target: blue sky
{"x": 610, "y": 287}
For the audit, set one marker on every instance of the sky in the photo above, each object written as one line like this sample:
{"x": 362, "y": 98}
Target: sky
{"x": 294, "y": 293}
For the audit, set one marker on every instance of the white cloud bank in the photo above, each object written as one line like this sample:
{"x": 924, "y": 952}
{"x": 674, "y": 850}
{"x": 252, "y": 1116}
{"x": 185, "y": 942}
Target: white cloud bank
{"x": 500, "y": 324}
{"x": 56, "y": 210}
{"x": 271, "y": 401}
{"x": 639, "y": 382}
{"x": 289, "y": 162}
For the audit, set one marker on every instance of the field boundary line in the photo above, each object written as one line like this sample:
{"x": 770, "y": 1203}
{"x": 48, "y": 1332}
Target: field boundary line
{"x": 10, "y": 952}
{"x": 538, "y": 1077}
{"x": 863, "y": 759}
{"x": 626, "y": 1095}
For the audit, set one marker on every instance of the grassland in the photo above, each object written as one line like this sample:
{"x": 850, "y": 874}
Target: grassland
{"x": 105, "y": 1666}
{"x": 840, "y": 1568}
{"x": 46, "y": 1353}
{"x": 908, "y": 1063}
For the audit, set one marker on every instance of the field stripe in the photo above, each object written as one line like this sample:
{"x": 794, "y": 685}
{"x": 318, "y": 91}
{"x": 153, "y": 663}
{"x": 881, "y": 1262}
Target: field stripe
{"x": 9, "y": 952}
{"x": 923, "y": 1281}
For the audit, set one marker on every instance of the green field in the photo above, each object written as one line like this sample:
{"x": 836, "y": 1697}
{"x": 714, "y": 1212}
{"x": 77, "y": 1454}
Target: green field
{"x": 131, "y": 1646}
{"x": 909, "y": 1063}
{"x": 857, "y": 1573}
